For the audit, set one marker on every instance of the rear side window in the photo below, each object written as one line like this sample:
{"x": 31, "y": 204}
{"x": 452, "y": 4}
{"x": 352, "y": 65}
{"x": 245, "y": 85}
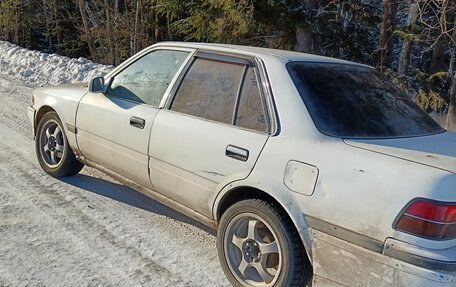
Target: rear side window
{"x": 209, "y": 90}
{"x": 251, "y": 112}
{"x": 224, "y": 92}
{"x": 357, "y": 102}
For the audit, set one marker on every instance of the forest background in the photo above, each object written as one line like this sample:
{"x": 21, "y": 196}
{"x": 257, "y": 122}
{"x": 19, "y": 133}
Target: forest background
{"x": 413, "y": 42}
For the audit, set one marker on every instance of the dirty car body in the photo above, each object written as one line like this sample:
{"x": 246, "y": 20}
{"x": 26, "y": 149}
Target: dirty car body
{"x": 366, "y": 180}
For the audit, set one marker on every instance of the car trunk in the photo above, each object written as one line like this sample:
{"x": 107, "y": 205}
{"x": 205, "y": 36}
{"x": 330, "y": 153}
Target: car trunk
{"x": 438, "y": 150}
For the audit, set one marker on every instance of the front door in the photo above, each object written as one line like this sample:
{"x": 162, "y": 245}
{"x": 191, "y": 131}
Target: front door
{"x": 211, "y": 135}
{"x": 113, "y": 128}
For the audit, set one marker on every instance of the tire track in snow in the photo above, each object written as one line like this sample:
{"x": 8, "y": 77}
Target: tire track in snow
{"x": 13, "y": 107}
{"x": 65, "y": 215}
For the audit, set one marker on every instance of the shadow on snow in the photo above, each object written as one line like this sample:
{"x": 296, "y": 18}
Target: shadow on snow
{"x": 129, "y": 196}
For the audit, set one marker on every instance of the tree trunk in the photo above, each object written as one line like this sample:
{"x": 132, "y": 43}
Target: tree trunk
{"x": 304, "y": 39}
{"x": 168, "y": 26}
{"x": 57, "y": 23}
{"x": 136, "y": 26}
{"x": 153, "y": 40}
{"x": 48, "y": 27}
{"x": 404, "y": 57}
{"x": 438, "y": 53}
{"x": 451, "y": 118}
{"x": 112, "y": 47}
{"x": 157, "y": 26}
{"x": 304, "y": 33}
{"x": 116, "y": 15}
{"x": 87, "y": 30}
{"x": 386, "y": 31}
{"x": 438, "y": 57}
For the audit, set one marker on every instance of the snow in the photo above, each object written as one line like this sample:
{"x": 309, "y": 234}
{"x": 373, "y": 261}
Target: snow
{"x": 34, "y": 68}
{"x": 86, "y": 230}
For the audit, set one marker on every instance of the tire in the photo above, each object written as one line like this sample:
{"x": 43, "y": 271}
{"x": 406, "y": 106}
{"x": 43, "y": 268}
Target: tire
{"x": 52, "y": 149}
{"x": 259, "y": 238}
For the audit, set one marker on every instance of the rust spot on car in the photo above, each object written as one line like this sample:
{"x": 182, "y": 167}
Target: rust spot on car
{"x": 431, "y": 156}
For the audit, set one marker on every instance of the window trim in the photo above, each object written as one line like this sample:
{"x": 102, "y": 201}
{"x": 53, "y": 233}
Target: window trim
{"x": 226, "y": 58}
{"x": 238, "y": 96}
{"x": 253, "y": 62}
{"x": 264, "y": 106}
{"x": 113, "y": 74}
{"x": 267, "y": 97}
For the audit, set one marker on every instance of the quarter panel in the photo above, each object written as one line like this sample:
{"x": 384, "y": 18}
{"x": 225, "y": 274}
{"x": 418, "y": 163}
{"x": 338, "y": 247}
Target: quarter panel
{"x": 359, "y": 190}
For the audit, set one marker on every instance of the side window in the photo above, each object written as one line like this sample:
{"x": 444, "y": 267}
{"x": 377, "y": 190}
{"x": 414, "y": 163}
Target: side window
{"x": 146, "y": 80}
{"x": 209, "y": 90}
{"x": 251, "y": 113}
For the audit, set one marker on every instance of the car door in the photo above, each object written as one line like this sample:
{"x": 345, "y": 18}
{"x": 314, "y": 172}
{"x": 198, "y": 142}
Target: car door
{"x": 113, "y": 128}
{"x": 211, "y": 134}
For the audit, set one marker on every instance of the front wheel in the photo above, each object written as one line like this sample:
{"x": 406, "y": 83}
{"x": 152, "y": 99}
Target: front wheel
{"x": 52, "y": 149}
{"x": 259, "y": 246}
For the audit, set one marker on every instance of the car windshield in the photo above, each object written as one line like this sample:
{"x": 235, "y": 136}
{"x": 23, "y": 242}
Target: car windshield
{"x": 351, "y": 101}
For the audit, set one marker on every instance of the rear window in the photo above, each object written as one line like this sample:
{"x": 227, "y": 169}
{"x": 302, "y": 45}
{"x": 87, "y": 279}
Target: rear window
{"x": 357, "y": 102}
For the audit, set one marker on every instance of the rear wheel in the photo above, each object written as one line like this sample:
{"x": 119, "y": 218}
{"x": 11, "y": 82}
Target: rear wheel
{"x": 53, "y": 152}
{"x": 259, "y": 246}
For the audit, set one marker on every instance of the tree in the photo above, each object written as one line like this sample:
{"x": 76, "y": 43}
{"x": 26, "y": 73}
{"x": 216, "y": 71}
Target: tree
{"x": 110, "y": 31}
{"x": 304, "y": 30}
{"x": 408, "y": 37}
{"x": 87, "y": 30}
{"x": 451, "y": 107}
{"x": 224, "y": 21}
{"x": 438, "y": 18}
{"x": 110, "y": 34}
{"x": 386, "y": 31}
{"x": 440, "y": 45}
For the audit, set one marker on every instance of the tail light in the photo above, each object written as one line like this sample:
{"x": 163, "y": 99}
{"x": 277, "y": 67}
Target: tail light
{"x": 429, "y": 219}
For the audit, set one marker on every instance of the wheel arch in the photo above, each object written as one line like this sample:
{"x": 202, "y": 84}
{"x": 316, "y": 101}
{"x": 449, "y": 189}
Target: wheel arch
{"x": 239, "y": 193}
{"x": 40, "y": 114}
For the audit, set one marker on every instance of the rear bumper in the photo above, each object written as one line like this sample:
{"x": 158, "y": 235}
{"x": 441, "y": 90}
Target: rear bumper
{"x": 31, "y": 114}
{"x": 339, "y": 263}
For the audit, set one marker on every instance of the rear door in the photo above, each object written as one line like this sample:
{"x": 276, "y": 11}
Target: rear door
{"x": 113, "y": 128}
{"x": 212, "y": 132}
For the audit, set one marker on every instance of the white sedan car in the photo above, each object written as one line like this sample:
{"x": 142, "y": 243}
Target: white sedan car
{"x": 312, "y": 169}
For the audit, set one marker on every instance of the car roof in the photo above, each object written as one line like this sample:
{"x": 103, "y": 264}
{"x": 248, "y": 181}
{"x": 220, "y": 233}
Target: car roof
{"x": 283, "y": 55}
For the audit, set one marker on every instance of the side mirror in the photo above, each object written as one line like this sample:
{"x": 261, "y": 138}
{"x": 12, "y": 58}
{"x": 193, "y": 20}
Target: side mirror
{"x": 97, "y": 85}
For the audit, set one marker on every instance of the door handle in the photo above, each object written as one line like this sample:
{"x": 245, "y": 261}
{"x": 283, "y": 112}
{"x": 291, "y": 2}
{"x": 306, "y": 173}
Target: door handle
{"x": 237, "y": 153}
{"x": 137, "y": 122}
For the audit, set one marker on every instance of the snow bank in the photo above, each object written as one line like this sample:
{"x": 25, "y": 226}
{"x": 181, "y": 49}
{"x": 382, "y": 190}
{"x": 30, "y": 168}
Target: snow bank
{"x": 36, "y": 69}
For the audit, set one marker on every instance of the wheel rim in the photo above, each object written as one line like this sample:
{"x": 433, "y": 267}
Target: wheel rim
{"x": 51, "y": 143}
{"x": 252, "y": 251}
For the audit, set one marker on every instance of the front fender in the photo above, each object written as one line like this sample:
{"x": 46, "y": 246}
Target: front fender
{"x": 64, "y": 101}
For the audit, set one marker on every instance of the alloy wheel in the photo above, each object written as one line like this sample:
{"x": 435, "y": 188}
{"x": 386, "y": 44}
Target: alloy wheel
{"x": 252, "y": 251}
{"x": 51, "y": 143}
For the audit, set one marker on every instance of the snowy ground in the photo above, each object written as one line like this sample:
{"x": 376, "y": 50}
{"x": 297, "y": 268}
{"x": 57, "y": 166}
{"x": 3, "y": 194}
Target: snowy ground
{"x": 86, "y": 230}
